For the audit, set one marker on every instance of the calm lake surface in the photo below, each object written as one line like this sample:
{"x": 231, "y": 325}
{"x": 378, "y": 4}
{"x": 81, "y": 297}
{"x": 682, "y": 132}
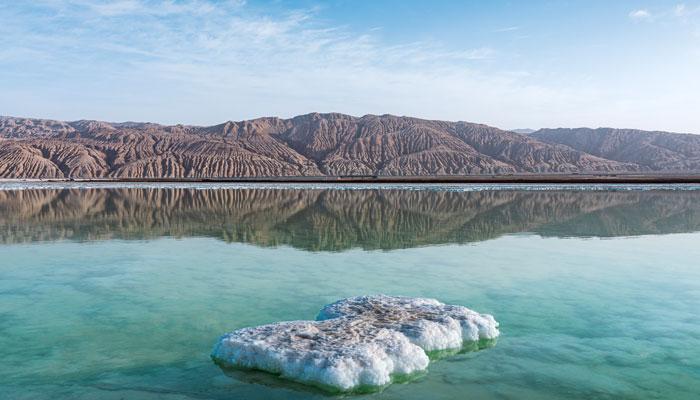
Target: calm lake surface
{"x": 121, "y": 292}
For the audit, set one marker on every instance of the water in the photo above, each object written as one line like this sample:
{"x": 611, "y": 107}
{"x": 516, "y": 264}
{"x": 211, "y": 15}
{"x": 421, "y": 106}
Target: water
{"x": 113, "y": 293}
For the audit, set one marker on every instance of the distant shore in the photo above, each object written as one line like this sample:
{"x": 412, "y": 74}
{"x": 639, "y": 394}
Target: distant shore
{"x": 662, "y": 178}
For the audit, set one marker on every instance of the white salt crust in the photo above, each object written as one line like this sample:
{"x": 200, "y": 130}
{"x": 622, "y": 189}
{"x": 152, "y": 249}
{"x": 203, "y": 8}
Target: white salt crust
{"x": 356, "y": 342}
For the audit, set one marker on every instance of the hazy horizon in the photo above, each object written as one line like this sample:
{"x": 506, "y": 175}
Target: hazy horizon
{"x": 627, "y": 64}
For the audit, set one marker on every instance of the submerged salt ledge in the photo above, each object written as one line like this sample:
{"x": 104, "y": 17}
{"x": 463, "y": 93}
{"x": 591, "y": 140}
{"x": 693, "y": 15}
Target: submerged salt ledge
{"x": 356, "y": 342}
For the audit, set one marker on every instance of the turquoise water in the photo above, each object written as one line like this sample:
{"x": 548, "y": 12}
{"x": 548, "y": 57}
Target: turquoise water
{"x": 121, "y": 292}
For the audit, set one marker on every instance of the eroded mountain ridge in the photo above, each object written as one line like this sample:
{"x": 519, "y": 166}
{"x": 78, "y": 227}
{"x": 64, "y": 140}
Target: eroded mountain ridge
{"x": 325, "y": 145}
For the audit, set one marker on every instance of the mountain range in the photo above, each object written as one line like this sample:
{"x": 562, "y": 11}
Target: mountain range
{"x": 328, "y": 145}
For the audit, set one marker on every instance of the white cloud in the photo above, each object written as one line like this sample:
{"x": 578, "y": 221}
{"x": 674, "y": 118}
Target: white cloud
{"x": 117, "y": 7}
{"x": 641, "y": 14}
{"x": 680, "y": 10}
{"x": 508, "y": 29}
{"x": 680, "y": 15}
{"x": 685, "y": 13}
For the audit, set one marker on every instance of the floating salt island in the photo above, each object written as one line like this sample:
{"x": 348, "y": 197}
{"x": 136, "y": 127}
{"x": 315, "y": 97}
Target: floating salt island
{"x": 357, "y": 344}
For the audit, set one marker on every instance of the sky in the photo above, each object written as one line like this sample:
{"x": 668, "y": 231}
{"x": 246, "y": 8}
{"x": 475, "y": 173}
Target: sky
{"x": 510, "y": 64}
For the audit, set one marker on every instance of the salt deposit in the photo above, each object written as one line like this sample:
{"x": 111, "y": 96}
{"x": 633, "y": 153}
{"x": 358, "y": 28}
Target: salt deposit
{"x": 359, "y": 342}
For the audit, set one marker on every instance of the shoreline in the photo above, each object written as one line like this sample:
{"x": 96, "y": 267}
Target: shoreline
{"x": 661, "y": 178}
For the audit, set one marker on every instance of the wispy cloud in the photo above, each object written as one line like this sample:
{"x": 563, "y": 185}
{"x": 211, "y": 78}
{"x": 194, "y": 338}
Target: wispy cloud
{"x": 208, "y": 34}
{"x": 686, "y": 13}
{"x": 680, "y": 14}
{"x": 680, "y": 11}
{"x": 117, "y": 8}
{"x": 209, "y": 49}
{"x": 140, "y": 7}
{"x": 641, "y": 14}
{"x": 508, "y": 29}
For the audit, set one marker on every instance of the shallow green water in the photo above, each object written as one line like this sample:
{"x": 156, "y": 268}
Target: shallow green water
{"x": 121, "y": 293}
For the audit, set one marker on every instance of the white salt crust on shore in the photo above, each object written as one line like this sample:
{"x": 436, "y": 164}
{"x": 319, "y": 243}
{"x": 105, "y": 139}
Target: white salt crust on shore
{"x": 356, "y": 342}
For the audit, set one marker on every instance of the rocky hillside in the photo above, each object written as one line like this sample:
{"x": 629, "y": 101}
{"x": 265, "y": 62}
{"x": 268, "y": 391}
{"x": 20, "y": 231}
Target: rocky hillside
{"x": 656, "y": 151}
{"x": 314, "y": 145}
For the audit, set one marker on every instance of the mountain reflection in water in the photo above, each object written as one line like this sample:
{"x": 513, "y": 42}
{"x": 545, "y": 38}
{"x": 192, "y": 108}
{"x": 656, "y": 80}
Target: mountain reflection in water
{"x": 336, "y": 220}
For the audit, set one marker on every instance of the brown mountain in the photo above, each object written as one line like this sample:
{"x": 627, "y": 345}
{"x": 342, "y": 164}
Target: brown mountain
{"x": 307, "y": 145}
{"x": 656, "y": 151}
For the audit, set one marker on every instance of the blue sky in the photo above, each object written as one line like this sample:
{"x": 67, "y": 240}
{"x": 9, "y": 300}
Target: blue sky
{"x": 511, "y": 64}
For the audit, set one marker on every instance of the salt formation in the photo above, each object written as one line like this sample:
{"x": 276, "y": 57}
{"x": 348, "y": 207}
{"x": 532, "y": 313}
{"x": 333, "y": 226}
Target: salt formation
{"x": 359, "y": 342}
